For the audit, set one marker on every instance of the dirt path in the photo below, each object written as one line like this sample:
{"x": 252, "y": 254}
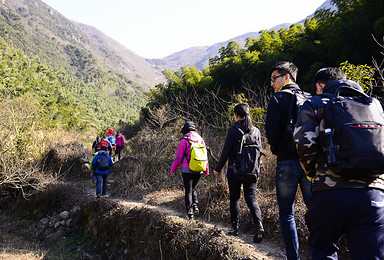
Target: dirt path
{"x": 268, "y": 249}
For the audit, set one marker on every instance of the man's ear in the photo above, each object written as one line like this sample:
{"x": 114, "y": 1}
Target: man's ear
{"x": 319, "y": 88}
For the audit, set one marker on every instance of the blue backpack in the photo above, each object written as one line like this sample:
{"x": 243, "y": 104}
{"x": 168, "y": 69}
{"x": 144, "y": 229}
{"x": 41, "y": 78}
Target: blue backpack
{"x": 112, "y": 139}
{"x": 103, "y": 162}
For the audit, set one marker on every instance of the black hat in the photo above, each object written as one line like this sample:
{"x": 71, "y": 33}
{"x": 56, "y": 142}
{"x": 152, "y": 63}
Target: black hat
{"x": 188, "y": 126}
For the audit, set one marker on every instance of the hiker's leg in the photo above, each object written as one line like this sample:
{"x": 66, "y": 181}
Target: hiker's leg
{"x": 250, "y": 199}
{"x": 195, "y": 180}
{"x": 365, "y": 234}
{"x": 105, "y": 184}
{"x": 99, "y": 179}
{"x": 234, "y": 200}
{"x": 305, "y": 187}
{"x": 327, "y": 218}
{"x": 187, "y": 179}
{"x": 287, "y": 179}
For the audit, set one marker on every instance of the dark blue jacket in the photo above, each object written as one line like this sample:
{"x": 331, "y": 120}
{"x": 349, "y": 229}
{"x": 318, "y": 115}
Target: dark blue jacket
{"x": 276, "y": 123}
{"x": 96, "y": 158}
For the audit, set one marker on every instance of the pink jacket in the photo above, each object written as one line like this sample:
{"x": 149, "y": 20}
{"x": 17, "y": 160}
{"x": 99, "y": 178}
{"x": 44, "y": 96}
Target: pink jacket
{"x": 183, "y": 153}
{"x": 119, "y": 140}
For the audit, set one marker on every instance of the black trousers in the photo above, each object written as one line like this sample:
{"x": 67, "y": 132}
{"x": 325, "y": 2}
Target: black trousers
{"x": 190, "y": 182}
{"x": 250, "y": 198}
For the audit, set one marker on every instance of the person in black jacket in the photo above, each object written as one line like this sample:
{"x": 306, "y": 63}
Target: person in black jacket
{"x": 231, "y": 147}
{"x": 289, "y": 173}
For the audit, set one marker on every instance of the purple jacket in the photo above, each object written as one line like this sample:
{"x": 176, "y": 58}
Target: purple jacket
{"x": 119, "y": 140}
{"x": 183, "y": 153}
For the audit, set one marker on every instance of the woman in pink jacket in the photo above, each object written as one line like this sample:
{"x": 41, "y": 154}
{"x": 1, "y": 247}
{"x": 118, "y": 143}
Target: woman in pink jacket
{"x": 190, "y": 178}
{"x": 119, "y": 144}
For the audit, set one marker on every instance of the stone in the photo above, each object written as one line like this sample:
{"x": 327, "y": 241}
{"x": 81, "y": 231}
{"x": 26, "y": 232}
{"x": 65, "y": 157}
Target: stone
{"x": 57, "y": 224}
{"x": 68, "y": 222}
{"x": 74, "y": 211}
{"x": 44, "y": 221}
{"x": 64, "y": 215}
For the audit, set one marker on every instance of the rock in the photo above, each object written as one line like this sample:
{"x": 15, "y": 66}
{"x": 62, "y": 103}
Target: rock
{"x": 87, "y": 166}
{"x": 62, "y": 222}
{"x": 64, "y": 215}
{"x": 83, "y": 159}
{"x": 44, "y": 221}
{"x": 57, "y": 224}
{"x": 68, "y": 223}
{"x": 74, "y": 211}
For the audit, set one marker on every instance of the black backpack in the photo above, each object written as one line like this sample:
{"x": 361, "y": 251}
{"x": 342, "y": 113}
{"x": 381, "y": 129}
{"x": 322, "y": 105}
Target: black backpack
{"x": 299, "y": 97}
{"x": 247, "y": 163}
{"x": 356, "y": 122}
{"x": 103, "y": 162}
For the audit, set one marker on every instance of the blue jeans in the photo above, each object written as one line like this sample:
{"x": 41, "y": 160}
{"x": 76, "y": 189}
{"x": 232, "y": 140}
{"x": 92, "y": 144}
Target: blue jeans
{"x": 358, "y": 213}
{"x": 289, "y": 175}
{"x": 101, "y": 178}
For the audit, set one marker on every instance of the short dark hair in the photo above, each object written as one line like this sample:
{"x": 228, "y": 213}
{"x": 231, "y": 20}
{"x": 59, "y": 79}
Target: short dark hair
{"x": 326, "y": 75}
{"x": 286, "y": 67}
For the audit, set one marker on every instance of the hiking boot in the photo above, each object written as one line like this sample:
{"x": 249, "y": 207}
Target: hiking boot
{"x": 235, "y": 229}
{"x": 259, "y": 234}
{"x": 234, "y": 232}
{"x": 195, "y": 209}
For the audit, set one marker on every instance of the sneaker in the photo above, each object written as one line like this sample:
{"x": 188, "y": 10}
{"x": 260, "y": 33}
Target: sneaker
{"x": 195, "y": 209}
{"x": 190, "y": 216}
{"x": 258, "y": 236}
{"x": 98, "y": 196}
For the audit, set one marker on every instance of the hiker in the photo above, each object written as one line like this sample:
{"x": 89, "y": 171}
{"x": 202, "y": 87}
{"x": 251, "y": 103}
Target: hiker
{"x": 94, "y": 144}
{"x": 119, "y": 144}
{"x": 102, "y": 162}
{"x": 105, "y": 142}
{"x": 289, "y": 173}
{"x": 94, "y": 168}
{"x": 350, "y": 201}
{"x": 112, "y": 139}
{"x": 231, "y": 147}
{"x": 184, "y": 158}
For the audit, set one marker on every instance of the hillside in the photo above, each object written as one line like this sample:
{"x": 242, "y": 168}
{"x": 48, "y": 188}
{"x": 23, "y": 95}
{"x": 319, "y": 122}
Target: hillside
{"x": 41, "y": 31}
{"x": 123, "y": 60}
{"x": 199, "y": 56}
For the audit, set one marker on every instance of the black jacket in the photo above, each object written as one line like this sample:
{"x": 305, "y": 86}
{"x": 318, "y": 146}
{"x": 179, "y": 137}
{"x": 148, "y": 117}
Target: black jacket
{"x": 277, "y": 121}
{"x": 232, "y": 145}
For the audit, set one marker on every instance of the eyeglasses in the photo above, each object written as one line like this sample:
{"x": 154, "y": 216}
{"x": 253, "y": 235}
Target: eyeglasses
{"x": 273, "y": 78}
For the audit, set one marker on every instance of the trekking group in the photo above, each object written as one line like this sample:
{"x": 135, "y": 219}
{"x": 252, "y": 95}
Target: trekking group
{"x": 330, "y": 144}
{"x": 101, "y": 162}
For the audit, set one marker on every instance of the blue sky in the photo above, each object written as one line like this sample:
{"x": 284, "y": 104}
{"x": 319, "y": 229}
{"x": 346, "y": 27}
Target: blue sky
{"x": 158, "y": 28}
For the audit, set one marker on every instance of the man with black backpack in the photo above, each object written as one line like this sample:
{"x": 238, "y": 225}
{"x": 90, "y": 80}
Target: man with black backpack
{"x": 340, "y": 139}
{"x": 101, "y": 163}
{"x": 279, "y": 125}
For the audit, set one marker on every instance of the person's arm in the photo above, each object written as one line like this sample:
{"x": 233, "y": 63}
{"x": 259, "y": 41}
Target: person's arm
{"x": 227, "y": 149}
{"x": 273, "y": 125}
{"x": 306, "y": 137}
{"x": 179, "y": 155}
{"x": 110, "y": 161}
